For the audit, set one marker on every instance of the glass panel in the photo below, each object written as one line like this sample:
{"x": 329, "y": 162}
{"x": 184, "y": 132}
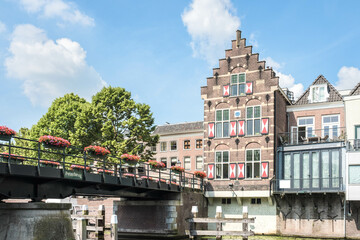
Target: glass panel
{"x": 322, "y": 94}
{"x": 357, "y": 132}
{"x": 334, "y": 119}
{"x": 301, "y": 121}
{"x": 306, "y": 170}
{"x": 226, "y": 115}
{"x": 296, "y": 170}
{"x": 249, "y": 112}
{"x": 335, "y": 169}
{"x": 233, "y": 90}
{"x": 256, "y": 155}
{"x": 354, "y": 174}
{"x": 325, "y": 169}
{"x": 309, "y": 121}
{"x": 327, "y": 119}
{"x": 242, "y": 89}
{"x": 335, "y": 131}
{"x": 218, "y": 156}
{"x": 233, "y": 79}
{"x": 226, "y": 129}
{"x": 326, "y": 131}
{"x": 315, "y": 170}
{"x": 256, "y": 170}
{"x": 248, "y": 170}
{"x": 257, "y": 126}
{"x": 309, "y": 131}
{"x": 257, "y": 111}
{"x": 287, "y": 166}
{"x": 218, "y": 115}
{"x": 218, "y": 171}
{"x": 219, "y": 130}
{"x": 225, "y": 156}
{"x": 199, "y": 162}
{"x": 187, "y": 163}
{"x": 241, "y": 77}
{"x": 226, "y": 171}
{"x": 248, "y": 155}
{"x": 249, "y": 127}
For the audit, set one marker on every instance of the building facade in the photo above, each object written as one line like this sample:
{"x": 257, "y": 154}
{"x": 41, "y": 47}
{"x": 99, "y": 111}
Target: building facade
{"x": 243, "y": 109}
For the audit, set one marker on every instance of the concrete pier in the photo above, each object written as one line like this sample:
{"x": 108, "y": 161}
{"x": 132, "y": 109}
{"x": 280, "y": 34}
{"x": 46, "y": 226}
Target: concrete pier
{"x": 35, "y": 221}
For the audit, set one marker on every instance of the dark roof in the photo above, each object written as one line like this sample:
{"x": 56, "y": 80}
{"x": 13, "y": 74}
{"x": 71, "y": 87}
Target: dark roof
{"x": 356, "y": 90}
{"x": 334, "y": 95}
{"x": 179, "y": 128}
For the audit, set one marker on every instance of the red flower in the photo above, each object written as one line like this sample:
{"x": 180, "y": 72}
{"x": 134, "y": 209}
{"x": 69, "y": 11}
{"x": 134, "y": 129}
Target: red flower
{"x": 177, "y": 169}
{"x": 12, "y": 156}
{"x": 49, "y": 162}
{"x": 6, "y": 131}
{"x": 79, "y": 167}
{"x": 156, "y": 164}
{"x": 128, "y": 157}
{"x": 55, "y": 141}
{"x": 200, "y": 174}
{"x": 97, "y": 150}
{"x": 100, "y": 170}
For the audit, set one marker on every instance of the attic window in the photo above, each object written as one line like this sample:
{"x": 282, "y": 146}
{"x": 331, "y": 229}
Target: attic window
{"x": 318, "y": 93}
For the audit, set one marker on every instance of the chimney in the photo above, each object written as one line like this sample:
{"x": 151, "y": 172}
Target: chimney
{"x": 238, "y": 37}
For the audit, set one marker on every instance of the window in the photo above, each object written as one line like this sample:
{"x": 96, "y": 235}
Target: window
{"x": 163, "y": 160}
{"x": 330, "y": 126}
{"x": 198, "y": 143}
{"x": 199, "y": 162}
{"x": 186, "y": 144}
{"x": 354, "y": 174}
{"x": 163, "y": 147}
{"x": 318, "y": 93}
{"x": 222, "y": 165}
{"x": 222, "y": 123}
{"x": 253, "y": 120}
{"x": 237, "y": 84}
{"x": 187, "y": 163}
{"x": 252, "y": 162}
{"x": 173, "y": 145}
{"x": 256, "y": 201}
{"x": 153, "y": 148}
{"x": 173, "y": 161}
{"x": 305, "y": 127}
{"x": 226, "y": 201}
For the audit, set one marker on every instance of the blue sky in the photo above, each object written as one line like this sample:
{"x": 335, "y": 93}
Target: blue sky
{"x": 163, "y": 51}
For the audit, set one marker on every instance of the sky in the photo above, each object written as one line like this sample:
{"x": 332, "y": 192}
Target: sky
{"x": 163, "y": 51}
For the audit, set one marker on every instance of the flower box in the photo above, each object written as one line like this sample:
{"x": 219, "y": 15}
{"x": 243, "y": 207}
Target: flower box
{"x": 156, "y": 165}
{"x": 106, "y": 171}
{"x": 54, "y": 142}
{"x": 177, "y": 169}
{"x": 130, "y": 159}
{"x": 6, "y": 133}
{"x": 14, "y": 159}
{"x": 129, "y": 175}
{"x": 46, "y": 163}
{"x": 96, "y": 151}
{"x": 200, "y": 174}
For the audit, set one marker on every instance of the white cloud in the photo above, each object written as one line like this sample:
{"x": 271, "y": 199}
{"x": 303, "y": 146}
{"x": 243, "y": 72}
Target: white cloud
{"x": 49, "y": 69}
{"x": 253, "y": 41}
{"x": 67, "y": 11}
{"x": 285, "y": 80}
{"x": 2, "y": 27}
{"x": 212, "y": 26}
{"x": 348, "y": 78}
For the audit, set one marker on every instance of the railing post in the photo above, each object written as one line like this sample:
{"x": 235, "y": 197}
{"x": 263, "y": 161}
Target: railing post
{"x": 114, "y": 223}
{"x": 64, "y": 159}
{"x": 39, "y": 153}
{"x": 245, "y": 225}
{"x": 100, "y": 222}
{"x": 120, "y": 169}
{"x": 194, "y": 211}
{"x": 84, "y": 158}
{"x": 193, "y": 182}
{"x": 219, "y": 224}
{"x": 81, "y": 229}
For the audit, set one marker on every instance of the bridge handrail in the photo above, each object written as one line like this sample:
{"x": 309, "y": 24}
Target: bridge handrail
{"x": 185, "y": 179}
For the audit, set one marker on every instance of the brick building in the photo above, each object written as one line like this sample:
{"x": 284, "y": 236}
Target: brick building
{"x": 244, "y": 108}
{"x": 180, "y": 144}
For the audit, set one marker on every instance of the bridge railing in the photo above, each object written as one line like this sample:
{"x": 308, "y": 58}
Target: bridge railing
{"x": 72, "y": 160}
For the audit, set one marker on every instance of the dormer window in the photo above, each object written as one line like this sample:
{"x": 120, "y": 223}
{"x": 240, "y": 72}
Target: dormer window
{"x": 318, "y": 93}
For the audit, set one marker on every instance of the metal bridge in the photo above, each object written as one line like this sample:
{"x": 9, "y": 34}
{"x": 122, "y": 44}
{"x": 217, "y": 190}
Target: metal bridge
{"x": 29, "y": 170}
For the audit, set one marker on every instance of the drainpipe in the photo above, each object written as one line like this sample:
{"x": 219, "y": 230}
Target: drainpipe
{"x": 345, "y": 219}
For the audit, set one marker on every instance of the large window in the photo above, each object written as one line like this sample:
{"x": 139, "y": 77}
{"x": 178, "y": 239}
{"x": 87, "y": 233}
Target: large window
{"x": 252, "y": 162}
{"x": 186, "y": 144}
{"x": 318, "y": 93}
{"x": 187, "y": 163}
{"x": 222, "y": 165}
{"x": 330, "y": 126}
{"x": 173, "y": 161}
{"x": 199, "y": 162}
{"x": 199, "y": 143}
{"x": 222, "y": 123}
{"x": 238, "y": 84}
{"x": 305, "y": 127}
{"x": 163, "y": 147}
{"x": 173, "y": 145}
{"x": 253, "y": 120}
{"x": 354, "y": 174}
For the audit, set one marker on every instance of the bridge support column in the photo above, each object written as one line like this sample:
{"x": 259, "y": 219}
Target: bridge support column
{"x": 23, "y": 221}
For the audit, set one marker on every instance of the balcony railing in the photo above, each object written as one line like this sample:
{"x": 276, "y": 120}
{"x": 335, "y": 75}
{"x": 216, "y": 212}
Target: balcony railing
{"x": 311, "y": 136}
{"x": 307, "y": 185}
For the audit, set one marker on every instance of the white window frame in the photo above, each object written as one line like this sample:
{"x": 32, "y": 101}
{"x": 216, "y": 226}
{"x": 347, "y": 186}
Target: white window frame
{"x": 161, "y": 160}
{"x": 253, "y": 120}
{"x": 189, "y": 144}
{"x": 202, "y": 143}
{"x": 317, "y": 89}
{"x": 330, "y": 125}
{"x": 238, "y": 83}
{"x": 202, "y": 162}
{"x": 176, "y": 145}
{"x": 161, "y": 147}
{"x": 222, "y": 163}
{"x": 294, "y": 136}
{"x": 307, "y": 125}
{"x": 187, "y": 157}
{"x": 252, "y": 163}
{"x": 222, "y": 122}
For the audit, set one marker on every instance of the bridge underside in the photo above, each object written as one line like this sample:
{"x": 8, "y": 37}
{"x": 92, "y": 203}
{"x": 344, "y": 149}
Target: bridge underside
{"x": 37, "y": 183}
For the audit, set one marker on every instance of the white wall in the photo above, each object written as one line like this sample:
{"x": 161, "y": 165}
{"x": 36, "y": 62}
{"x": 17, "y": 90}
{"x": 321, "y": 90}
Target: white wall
{"x": 352, "y": 115}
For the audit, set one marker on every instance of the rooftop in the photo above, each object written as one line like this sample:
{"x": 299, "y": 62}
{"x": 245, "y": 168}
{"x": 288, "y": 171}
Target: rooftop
{"x": 179, "y": 128}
